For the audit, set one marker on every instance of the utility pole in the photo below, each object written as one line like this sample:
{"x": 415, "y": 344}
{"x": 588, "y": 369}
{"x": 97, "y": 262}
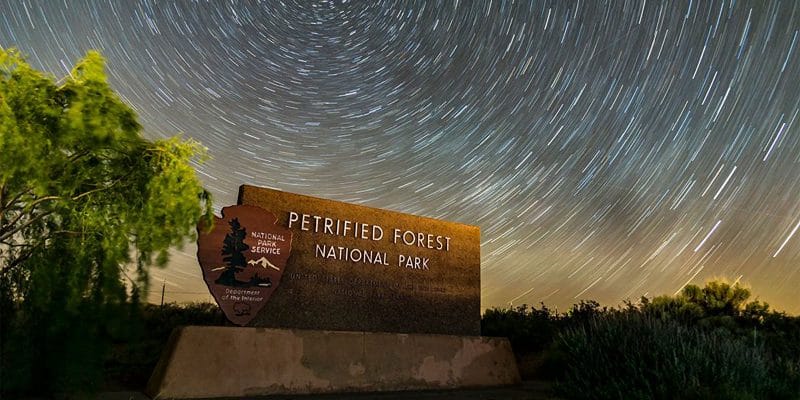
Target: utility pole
{"x": 163, "y": 286}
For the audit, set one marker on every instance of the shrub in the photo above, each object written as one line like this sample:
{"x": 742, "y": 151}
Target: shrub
{"x": 632, "y": 356}
{"x": 131, "y": 362}
{"x": 528, "y": 329}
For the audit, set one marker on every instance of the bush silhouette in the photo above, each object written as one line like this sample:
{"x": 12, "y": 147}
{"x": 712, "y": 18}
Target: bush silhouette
{"x": 705, "y": 342}
{"x": 631, "y": 355}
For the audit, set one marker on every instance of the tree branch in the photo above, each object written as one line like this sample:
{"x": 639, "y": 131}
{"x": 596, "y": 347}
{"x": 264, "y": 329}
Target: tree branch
{"x": 2, "y": 205}
{"x": 100, "y": 189}
{"x": 12, "y": 231}
{"x": 5, "y": 206}
{"x": 14, "y": 244}
{"x": 67, "y": 233}
{"x": 17, "y": 261}
{"x": 78, "y": 154}
{"x": 8, "y": 228}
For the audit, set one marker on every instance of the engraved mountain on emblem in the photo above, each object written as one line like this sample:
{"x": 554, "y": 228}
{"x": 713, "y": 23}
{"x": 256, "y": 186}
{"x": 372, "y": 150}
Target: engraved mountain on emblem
{"x": 264, "y": 263}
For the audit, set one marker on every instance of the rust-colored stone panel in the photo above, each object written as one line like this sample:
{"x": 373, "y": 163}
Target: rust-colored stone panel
{"x": 359, "y": 268}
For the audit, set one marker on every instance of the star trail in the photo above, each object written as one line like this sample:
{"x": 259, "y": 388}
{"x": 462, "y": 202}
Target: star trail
{"x": 607, "y": 150}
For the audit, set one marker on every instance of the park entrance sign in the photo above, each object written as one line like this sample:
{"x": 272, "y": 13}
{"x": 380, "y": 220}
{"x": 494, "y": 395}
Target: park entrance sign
{"x": 344, "y": 297}
{"x": 284, "y": 260}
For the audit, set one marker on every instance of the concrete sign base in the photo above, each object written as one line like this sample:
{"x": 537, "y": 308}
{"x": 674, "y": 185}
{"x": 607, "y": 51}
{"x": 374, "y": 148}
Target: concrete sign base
{"x": 207, "y": 362}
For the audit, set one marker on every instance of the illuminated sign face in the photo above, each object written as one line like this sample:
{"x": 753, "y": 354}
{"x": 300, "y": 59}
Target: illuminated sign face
{"x": 364, "y": 269}
{"x": 365, "y": 231}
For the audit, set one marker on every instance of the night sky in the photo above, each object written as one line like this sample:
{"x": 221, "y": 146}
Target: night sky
{"x": 607, "y": 150}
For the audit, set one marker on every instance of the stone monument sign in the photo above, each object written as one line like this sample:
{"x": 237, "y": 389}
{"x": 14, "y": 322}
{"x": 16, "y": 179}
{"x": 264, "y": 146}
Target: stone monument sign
{"x": 339, "y": 266}
{"x": 347, "y": 298}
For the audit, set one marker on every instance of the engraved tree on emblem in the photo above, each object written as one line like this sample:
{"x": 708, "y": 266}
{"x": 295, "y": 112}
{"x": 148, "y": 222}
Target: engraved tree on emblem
{"x": 233, "y": 249}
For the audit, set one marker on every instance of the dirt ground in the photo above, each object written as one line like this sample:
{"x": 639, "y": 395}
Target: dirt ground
{"x": 528, "y": 390}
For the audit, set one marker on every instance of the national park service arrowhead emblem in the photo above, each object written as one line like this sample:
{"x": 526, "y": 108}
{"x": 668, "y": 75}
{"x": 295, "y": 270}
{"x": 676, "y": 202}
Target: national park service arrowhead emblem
{"x": 243, "y": 258}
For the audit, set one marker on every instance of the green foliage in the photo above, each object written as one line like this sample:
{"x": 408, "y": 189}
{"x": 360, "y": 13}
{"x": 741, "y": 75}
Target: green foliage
{"x": 704, "y": 343}
{"x": 528, "y": 329}
{"x": 632, "y": 356}
{"x": 667, "y": 307}
{"x": 717, "y": 297}
{"x": 82, "y": 195}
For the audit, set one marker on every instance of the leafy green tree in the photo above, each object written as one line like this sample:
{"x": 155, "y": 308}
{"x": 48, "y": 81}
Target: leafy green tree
{"x": 82, "y": 196}
{"x": 668, "y": 307}
{"x": 756, "y": 310}
{"x": 717, "y": 297}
